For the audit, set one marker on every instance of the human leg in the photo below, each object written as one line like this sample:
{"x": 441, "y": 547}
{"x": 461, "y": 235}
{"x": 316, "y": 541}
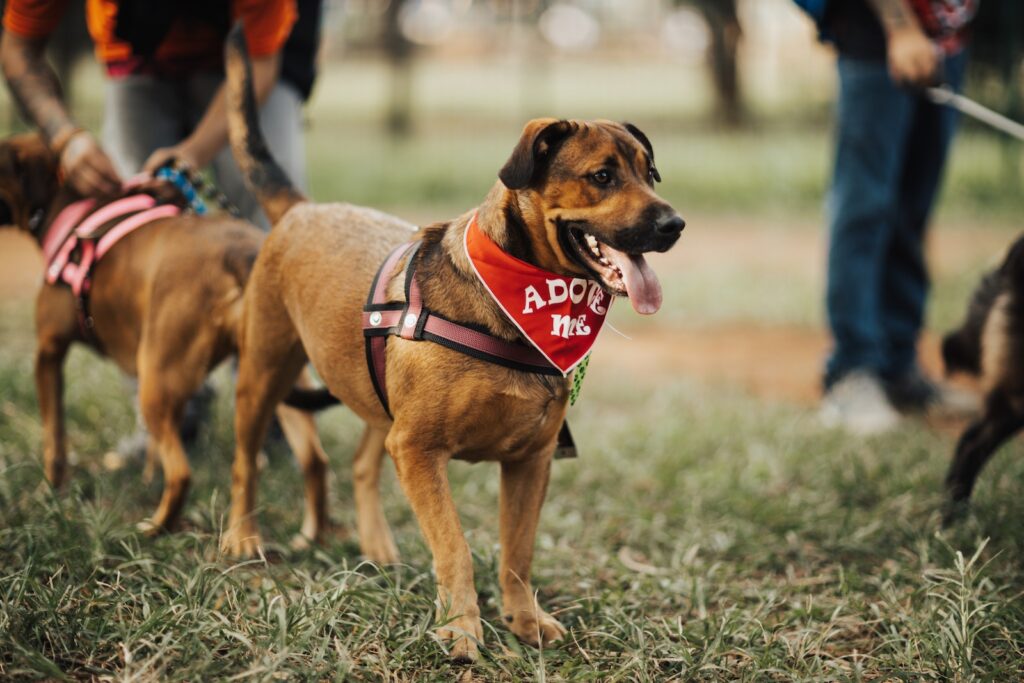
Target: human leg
{"x": 141, "y": 114}
{"x": 905, "y": 281}
{"x": 873, "y": 117}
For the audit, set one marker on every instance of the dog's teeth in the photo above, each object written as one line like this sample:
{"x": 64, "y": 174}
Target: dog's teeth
{"x": 592, "y": 241}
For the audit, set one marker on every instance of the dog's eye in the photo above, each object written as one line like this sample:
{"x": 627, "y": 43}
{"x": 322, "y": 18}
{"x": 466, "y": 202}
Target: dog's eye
{"x": 653, "y": 176}
{"x": 602, "y": 177}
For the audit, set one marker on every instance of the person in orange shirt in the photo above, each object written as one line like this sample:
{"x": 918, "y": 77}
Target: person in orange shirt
{"x": 164, "y": 91}
{"x": 165, "y": 97}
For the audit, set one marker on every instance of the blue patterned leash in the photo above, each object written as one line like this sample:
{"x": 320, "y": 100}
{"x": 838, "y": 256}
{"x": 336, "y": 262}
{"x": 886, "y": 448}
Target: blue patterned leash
{"x": 193, "y": 187}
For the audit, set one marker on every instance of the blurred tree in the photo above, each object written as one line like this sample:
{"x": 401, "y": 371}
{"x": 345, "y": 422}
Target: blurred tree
{"x": 997, "y": 50}
{"x": 399, "y": 51}
{"x": 724, "y": 27}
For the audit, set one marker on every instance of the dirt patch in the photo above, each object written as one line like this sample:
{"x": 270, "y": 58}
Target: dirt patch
{"x": 772, "y": 361}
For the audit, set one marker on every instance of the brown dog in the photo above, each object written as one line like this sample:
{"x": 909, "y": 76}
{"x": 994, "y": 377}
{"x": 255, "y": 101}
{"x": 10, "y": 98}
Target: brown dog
{"x": 166, "y": 304}
{"x": 565, "y": 180}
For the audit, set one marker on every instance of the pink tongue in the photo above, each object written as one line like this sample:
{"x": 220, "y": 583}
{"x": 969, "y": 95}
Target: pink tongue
{"x": 642, "y": 286}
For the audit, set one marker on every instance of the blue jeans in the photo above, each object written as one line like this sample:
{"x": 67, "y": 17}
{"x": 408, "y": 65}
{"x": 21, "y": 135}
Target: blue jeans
{"x": 891, "y": 147}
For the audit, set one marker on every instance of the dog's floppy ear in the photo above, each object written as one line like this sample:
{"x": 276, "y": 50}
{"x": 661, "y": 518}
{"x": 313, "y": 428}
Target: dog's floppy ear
{"x": 28, "y": 177}
{"x": 642, "y": 138}
{"x": 535, "y": 145}
{"x": 38, "y": 170}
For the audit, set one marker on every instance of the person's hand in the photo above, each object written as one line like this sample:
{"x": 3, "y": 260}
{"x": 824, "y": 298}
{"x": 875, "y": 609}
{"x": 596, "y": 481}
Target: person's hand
{"x": 87, "y": 168}
{"x": 181, "y": 154}
{"x": 913, "y": 58}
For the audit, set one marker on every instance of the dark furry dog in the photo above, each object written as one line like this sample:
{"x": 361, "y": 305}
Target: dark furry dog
{"x": 990, "y": 346}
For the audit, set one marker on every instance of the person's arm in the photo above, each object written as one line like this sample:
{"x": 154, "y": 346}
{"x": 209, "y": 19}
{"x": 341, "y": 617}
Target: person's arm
{"x": 35, "y": 88}
{"x": 210, "y": 136}
{"x": 913, "y": 58}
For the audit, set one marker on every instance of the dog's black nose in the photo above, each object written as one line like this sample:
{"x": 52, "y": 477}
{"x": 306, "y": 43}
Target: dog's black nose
{"x": 671, "y": 224}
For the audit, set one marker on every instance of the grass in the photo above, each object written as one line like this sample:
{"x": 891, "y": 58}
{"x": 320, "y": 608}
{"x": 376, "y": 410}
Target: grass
{"x": 702, "y": 535}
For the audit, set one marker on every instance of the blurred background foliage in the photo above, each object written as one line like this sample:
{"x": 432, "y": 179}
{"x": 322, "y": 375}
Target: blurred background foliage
{"x": 419, "y": 101}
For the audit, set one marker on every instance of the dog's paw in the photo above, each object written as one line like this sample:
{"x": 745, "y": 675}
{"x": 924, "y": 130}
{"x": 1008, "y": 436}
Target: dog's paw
{"x": 380, "y": 549}
{"x": 301, "y": 542}
{"x": 462, "y": 636}
{"x": 149, "y": 528}
{"x": 954, "y": 512}
{"x": 535, "y": 627}
{"x": 241, "y": 543}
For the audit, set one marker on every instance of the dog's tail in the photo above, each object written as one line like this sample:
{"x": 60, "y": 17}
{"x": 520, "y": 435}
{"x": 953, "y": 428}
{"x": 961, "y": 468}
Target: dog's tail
{"x": 263, "y": 175}
{"x": 310, "y": 400}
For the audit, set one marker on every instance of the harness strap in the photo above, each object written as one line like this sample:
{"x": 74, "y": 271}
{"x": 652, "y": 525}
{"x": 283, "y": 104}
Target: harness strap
{"x": 129, "y": 225}
{"x": 414, "y": 322}
{"x": 63, "y": 225}
{"x": 373, "y": 317}
{"x": 77, "y": 274}
{"x": 113, "y": 211}
{"x": 89, "y": 224}
{"x": 76, "y": 228}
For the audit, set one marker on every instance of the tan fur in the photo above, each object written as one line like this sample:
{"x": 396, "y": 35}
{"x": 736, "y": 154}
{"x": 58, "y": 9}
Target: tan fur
{"x": 167, "y": 304}
{"x": 994, "y": 344}
{"x": 305, "y": 299}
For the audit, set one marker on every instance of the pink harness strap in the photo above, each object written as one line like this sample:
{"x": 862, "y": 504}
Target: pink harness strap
{"x": 78, "y": 234}
{"x": 77, "y": 274}
{"x": 113, "y": 211}
{"x": 62, "y": 226}
{"x": 133, "y": 223}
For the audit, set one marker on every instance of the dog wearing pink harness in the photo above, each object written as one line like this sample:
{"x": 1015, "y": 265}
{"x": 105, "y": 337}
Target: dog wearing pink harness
{"x": 163, "y": 303}
{"x": 82, "y": 231}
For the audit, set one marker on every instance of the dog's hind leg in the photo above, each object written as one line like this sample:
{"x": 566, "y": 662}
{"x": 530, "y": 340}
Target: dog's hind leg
{"x": 979, "y": 442}
{"x": 161, "y": 409}
{"x": 56, "y": 325}
{"x": 423, "y": 475}
{"x": 50, "y": 389}
{"x": 523, "y": 486}
{"x": 375, "y": 539}
{"x": 300, "y": 431}
{"x": 265, "y": 375}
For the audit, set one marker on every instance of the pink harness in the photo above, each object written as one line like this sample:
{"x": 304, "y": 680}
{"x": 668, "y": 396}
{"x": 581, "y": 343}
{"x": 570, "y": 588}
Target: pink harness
{"x": 72, "y": 248}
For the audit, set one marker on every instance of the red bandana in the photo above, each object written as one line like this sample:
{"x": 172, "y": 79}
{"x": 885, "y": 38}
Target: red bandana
{"x": 560, "y": 315}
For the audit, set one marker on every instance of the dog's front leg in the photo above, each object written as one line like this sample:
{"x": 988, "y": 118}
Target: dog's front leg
{"x": 50, "y": 390}
{"x": 523, "y": 485}
{"x": 979, "y": 442}
{"x": 423, "y": 475}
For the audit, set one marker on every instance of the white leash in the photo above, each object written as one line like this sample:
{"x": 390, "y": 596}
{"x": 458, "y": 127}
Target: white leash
{"x": 946, "y": 96}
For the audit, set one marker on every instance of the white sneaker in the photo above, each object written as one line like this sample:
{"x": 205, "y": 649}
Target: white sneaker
{"x": 858, "y": 404}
